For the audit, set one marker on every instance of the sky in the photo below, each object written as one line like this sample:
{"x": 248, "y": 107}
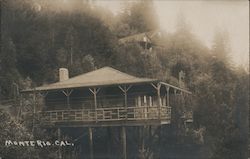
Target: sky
{"x": 205, "y": 17}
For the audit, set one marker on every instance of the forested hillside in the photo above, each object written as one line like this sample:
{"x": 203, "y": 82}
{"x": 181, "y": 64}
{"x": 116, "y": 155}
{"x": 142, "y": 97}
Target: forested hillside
{"x": 38, "y": 37}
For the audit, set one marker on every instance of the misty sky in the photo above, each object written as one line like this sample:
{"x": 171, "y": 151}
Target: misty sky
{"x": 205, "y": 17}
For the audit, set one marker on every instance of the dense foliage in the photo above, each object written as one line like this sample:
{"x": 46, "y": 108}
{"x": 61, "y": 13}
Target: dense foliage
{"x": 14, "y": 131}
{"x": 38, "y": 38}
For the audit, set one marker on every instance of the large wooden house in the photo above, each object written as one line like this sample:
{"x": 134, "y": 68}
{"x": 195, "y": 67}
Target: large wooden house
{"x": 105, "y": 97}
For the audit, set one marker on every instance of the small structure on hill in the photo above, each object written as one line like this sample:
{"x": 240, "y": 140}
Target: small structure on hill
{"x": 147, "y": 40}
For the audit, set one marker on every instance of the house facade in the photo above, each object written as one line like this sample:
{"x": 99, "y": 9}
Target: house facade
{"x": 105, "y": 97}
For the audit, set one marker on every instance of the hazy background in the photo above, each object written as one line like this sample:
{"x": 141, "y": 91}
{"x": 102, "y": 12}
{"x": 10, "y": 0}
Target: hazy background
{"x": 205, "y": 17}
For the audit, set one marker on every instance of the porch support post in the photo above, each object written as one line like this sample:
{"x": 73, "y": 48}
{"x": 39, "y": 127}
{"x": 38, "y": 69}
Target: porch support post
{"x": 158, "y": 89}
{"x": 91, "y": 143}
{"x": 125, "y": 89}
{"x": 167, "y": 88}
{"x": 67, "y": 93}
{"x": 160, "y": 141}
{"x": 124, "y": 143}
{"x": 94, "y": 91}
{"x": 59, "y": 138}
{"x": 159, "y": 98}
{"x": 175, "y": 91}
{"x": 109, "y": 142}
{"x": 44, "y": 94}
{"x": 143, "y": 139}
{"x": 126, "y": 99}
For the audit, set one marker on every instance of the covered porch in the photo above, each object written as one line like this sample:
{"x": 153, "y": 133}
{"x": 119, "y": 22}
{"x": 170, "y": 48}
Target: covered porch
{"x": 132, "y": 103}
{"x": 92, "y": 100}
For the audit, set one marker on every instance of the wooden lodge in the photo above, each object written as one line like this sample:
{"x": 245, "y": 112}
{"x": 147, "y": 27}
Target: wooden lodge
{"x": 104, "y": 97}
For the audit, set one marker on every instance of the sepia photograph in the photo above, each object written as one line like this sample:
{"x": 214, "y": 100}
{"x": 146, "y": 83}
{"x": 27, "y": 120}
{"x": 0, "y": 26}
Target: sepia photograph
{"x": 124, "y": 79}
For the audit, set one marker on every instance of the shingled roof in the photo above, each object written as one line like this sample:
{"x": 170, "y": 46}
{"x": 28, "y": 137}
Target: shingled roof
{"x": 101, "y": 77}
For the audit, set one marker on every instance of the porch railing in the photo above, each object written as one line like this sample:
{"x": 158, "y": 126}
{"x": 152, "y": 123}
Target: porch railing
{"x": 107, "y": 114}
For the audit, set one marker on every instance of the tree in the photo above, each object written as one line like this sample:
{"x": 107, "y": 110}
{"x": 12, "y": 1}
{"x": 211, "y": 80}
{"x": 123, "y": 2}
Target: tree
{"x": 136, "y": 17}
{"x": 143, "y": 17}
{"x": 220, "y": 48}
{"x": 70, "y": 43}
{"x": 8, "y": 70}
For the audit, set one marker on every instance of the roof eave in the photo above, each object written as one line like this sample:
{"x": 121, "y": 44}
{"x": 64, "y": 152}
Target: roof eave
{"x": 37, "y": 89}
{"x": 178, "y": 88}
